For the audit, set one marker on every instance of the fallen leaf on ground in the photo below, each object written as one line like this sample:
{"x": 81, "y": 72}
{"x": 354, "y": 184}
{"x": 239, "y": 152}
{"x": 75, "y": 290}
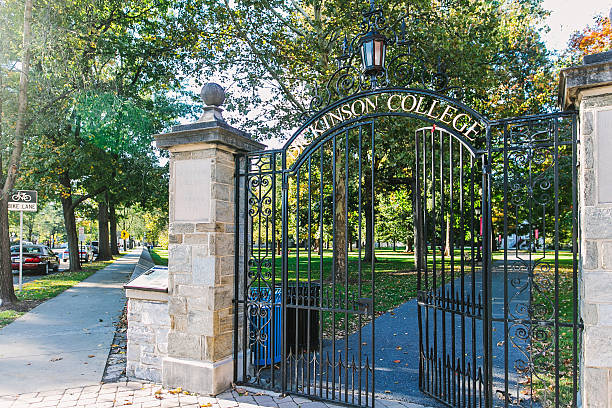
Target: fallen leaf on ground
{"x": 396, "y": 361}
{"x": 91, "y": 356}
{"x": 208, "y": 404}
{"x": 176, "y": 390}
{"x": 398, "y": 348}
{"x": 57, "y": 358}
{"x": 158, "y": 392}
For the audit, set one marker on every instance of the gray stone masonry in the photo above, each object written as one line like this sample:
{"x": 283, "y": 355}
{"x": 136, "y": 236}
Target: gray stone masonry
{"x": 201, "y": 251}
{"x": 589, "y": 88}
{"x": 149, "y": 324}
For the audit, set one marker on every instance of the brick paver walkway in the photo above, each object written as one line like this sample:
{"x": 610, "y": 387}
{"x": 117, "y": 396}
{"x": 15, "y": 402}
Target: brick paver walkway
{"x": 144, "y": 395}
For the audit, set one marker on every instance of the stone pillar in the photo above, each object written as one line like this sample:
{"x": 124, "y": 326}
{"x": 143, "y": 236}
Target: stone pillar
{"x": 201, "y": 248}
{"x": 589, "y": 89}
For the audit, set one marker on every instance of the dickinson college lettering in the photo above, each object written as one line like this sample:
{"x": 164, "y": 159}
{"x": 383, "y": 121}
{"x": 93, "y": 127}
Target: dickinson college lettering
{"x": 424, "y": 105}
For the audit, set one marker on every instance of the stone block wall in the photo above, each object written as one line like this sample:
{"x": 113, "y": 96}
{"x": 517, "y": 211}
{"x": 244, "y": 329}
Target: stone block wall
{"x": 201, "y": 263}
{"x": 596, "y": 247}
{"x": 148, "y": 327}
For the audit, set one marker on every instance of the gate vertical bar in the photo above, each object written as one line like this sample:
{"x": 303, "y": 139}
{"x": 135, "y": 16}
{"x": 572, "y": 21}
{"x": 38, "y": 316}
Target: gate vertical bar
{"x": 486, "y": 272}
{"x": 506, "y": 306}
{"x": 444, "y": 380}
{"x": 418, "y": 250}
{"x": 245, "y": 262}
{"x": 284, "y": 272}
{"x": 373, "y": 312}
{"x": 346, "y": 268}
{"x": 556, "y": 241}
{"x": 359, "y": 289}
{"x": 273, "y": 305}
{"x": 575, "y": 247}
{"x": 333, "y": 268}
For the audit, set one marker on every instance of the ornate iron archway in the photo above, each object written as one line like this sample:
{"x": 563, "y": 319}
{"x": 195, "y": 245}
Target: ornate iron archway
{"x": 493, "y": 328}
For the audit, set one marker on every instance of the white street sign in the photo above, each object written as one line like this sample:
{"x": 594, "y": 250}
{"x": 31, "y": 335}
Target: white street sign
{"x": 23, "y": 200}
{"x": 31, "y": 207}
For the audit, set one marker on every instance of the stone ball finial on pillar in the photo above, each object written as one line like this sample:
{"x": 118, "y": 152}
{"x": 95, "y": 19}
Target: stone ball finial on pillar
{"x": 212, "y": 94}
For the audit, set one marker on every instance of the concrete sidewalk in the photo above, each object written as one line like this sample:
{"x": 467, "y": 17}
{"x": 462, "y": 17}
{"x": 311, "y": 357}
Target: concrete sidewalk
{"x": 65, "y": 341}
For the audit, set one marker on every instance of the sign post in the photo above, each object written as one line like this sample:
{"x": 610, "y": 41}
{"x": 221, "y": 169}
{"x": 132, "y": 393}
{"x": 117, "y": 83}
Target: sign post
{"x": 81, "y": 241}
{"x": 124, "y": 237}
{"x": 22, "y": 200}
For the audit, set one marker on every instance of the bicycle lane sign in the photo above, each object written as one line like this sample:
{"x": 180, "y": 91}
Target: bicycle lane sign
{"x": 23, "y": 200}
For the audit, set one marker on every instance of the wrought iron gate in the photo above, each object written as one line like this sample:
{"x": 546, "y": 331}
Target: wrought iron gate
{"x": 497, "y": 294}
{"x": 496, "y": 240}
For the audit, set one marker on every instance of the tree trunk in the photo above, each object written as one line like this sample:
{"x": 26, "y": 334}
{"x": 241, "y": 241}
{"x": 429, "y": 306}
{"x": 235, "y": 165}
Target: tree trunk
{"x": 447, "y": 247}
{"x": 7, "y": 292}
{"x": 71, "y": 232}
{"x": 113, "y": 229}
{"x": 30, "y": 226}
{"x": 104, "y": 251}
{"x": 418, "y": 231}
{"x": 369, "y": 238}
{"x": 340, "y": 218}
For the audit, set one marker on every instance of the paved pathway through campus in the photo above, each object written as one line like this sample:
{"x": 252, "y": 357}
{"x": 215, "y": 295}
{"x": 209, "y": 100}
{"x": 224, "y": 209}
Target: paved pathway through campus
{"x": 64, "y": 342}
{"x": 143, "y": 395}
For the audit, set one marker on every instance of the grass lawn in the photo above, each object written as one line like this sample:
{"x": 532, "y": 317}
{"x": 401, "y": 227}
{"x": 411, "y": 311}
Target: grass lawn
{"x": 160, "y": 256}
{"x": 45, "y": 288}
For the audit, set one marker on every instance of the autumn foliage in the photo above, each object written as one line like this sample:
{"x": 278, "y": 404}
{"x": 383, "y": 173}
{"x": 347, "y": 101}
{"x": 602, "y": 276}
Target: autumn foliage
{"x": 593, "y": 39}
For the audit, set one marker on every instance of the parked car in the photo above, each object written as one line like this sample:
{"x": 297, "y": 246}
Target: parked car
{"x": 37, "y": 258}
{"x": 85, "y": 253}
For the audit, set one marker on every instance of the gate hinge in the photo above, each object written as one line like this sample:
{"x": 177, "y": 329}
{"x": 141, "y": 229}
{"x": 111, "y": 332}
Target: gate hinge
{"x": 285, "y": 184}
{"x": 486, "y": 169}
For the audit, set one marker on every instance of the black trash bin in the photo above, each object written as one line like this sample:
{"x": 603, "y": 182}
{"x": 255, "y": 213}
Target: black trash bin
{"x": 298, "y": 320}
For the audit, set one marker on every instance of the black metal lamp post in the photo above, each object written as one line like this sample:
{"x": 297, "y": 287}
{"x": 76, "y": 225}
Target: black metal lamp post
{"x": 373, "y": 47}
